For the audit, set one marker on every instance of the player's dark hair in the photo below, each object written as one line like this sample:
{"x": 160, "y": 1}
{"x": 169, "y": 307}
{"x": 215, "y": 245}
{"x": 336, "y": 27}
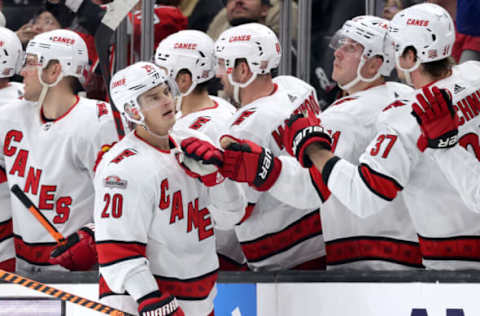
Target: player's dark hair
{"x": 435, "y": 69}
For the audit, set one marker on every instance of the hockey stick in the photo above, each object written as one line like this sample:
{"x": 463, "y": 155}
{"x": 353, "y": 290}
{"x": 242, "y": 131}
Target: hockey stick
{"x": 116, "y": 12}
{"x": 38, "y": 215}
{"x": 62, "y": 295}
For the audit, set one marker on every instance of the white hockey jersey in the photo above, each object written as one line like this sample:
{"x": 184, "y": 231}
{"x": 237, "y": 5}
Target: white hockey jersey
{"x": 275, "y": 236}
{"x": 52, "y": 162}
{"x": 449, "y": 232}
{"x": 213, "y": 123}
{"x": 383, "y": 241}
{"x": 150, "y": 214}
{"x": 13, "y": 91}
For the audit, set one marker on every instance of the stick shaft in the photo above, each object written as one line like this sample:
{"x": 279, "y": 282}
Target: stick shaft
{"x": 59, "y": 294}
{"x": 38, "y": 215}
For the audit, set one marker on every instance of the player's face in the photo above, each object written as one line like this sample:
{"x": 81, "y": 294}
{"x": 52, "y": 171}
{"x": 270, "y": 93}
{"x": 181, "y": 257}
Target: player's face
{"x": 246, "y": 9}
{"x": 45, "y": 22}
{"x": 32, "y": 86}
{"x": 222, "y": 75}
{"x": 158, "y": 108}
{"x": 347, "y": 57}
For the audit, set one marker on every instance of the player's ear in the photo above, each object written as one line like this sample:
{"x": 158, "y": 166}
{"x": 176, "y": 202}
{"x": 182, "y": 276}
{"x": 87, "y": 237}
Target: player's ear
{"x": 184, "y": 81}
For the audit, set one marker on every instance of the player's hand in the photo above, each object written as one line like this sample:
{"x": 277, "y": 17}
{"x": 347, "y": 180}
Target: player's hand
{"x": 437, "y": 119}
{"x": 245, "y": 161}
{"x": 157, "y": 303}
{"x": 78, "y": 253}
{"x": 302, "y": 131}
{"x": 200, "y": 159}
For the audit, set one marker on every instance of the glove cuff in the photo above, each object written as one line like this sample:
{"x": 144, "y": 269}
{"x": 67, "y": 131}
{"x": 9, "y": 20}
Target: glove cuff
{"x": 272, "y": 178}
{"x": 447, "y": 140}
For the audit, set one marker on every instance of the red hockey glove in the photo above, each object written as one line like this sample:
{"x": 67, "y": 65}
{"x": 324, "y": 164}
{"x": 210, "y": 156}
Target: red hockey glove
{"x": 300, "y": 132}
{"x": 201, "y": 160}
{"x": 79, "y": 253}
{"x": 245, "y": 161}
{"x": 159, "y": 304}
{"x": 437, "y": 119}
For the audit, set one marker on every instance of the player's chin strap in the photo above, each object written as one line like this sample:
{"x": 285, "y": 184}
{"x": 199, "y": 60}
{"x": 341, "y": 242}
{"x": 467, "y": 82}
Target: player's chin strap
{"x": 45, "y": 86}
{"x": 407, "y": 71}
{"x": 178, "y": 101}
{"x": 238, "y": 85}
{"x": 359, "y": 77}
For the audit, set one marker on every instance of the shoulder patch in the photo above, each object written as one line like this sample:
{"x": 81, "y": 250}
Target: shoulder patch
{"x": 243, "y": 116}
{"x": 115, "y": 182}
{"x": 124, "y": 154}
{"x": 395, "y": 104}
{"x": 102, "y": 109}
{"x": 199, "y": 122}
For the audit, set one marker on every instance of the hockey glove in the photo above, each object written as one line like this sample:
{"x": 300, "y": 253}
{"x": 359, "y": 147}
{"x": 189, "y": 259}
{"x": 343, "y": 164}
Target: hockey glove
{"x": 300, "y": 132}
{"x": 78, "y": 253}
{"x": 245, "y": 161}
{"x": 437, "y": 119}
{"x": 200, "y": 159}
{"x": 159, "y": 304}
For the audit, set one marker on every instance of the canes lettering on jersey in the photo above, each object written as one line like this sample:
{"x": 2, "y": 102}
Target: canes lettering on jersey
{"x": 309, "y": 104}
{"x": 196, "y": 218}
{"x": 47, "y": 199}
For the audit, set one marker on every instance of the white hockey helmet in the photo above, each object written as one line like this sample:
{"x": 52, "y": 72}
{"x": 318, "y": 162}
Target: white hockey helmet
{"x": 188, "y": 49}
{"x": 427, "y": 27}
{"x": 255, "y": 42}
{"x": 11, "y": 53}
{"x": 372, "y": 33}
{"x": 128, "y": 84}
{"x": 67, "y": 47}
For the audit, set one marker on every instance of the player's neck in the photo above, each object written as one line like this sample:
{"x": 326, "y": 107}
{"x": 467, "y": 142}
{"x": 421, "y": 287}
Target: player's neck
{"x": 4, "y": 82}
{"x": 160, "y": 142}
{"x": 196, "y": 102}
{"x": 421, "y": 78}
{"x": 57, "y": 102}
{"x": 362, "y": 85}
{"x": 259, "y": 88}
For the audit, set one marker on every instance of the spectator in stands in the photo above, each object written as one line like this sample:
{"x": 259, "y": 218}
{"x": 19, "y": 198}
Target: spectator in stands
{"x": 390, "y": 7}
{"x": 200, "y": 13}
{"x": 238, "y": 12}
{"x": 466, "y": 47}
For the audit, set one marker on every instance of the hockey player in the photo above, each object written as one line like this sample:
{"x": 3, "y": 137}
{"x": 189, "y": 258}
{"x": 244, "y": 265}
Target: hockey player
{"x": 273, "y": 235}
{"x": 11, "y": 57}
{"x": 189, "y": 58}
{"x": 363, "y": 56}
{"x": 437, "y": 118}
{"x": 50, "y": 142}
{"x": 448, "y": 230}
{"x": 154, "y": 231}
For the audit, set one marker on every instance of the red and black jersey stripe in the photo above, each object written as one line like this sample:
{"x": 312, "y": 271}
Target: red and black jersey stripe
{"x": 33, "y": 253}
{"x": 380, "y": 184}
{"x": 465, "y": 248}
{"x": 6, "y": 230}
{"x": 111, "y": 252}
{"x": 191, "y": 289}
{"x": 269, "y": 245}
{"x": 360, "y": 248}
{"x": 3, "y": 175}
{"x": 318, "y": 184}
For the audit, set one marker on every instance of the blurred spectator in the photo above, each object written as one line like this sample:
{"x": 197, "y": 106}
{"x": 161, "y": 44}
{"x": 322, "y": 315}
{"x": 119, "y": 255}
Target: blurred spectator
{"x": 200, "y": 12}
{"x": 390, "y": 7}
{"x": 3, "y": 22}
{"x": 238, "y": 12}
{"x": 17, "y": 13}
{"x": 466, "y": 47}
{"x": 468, "y": 13}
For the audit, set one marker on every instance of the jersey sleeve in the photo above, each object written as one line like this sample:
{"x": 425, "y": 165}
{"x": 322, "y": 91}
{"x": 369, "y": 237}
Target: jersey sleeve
{"x": 295, "y": 185}
{"x": 123, "y": 215}
{"x": 384, "y": 168}
{"x": 228, "y": 203}
{"x": 464, "y": 176}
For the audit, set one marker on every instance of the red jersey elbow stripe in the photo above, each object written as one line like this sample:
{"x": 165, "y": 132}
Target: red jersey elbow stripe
{"x": 111, "y": 252}
{"x": 3, "y": 175}
{"x": 362, "y": 248}
{"x": 380, "y": 184}
{"x": 6, "y": 230}
{"x": 34, "y": 253}
{"x": 318, "y": 184}
{"x": 453, "y": 248}
{"x": 192, "y": 289}
{"x": 269, "y": 245}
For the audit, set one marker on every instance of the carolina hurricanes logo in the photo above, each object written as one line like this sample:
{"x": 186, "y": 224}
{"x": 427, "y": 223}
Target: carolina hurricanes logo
{"x": 101, "y": 109}
{"x": 148, "y": 68}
